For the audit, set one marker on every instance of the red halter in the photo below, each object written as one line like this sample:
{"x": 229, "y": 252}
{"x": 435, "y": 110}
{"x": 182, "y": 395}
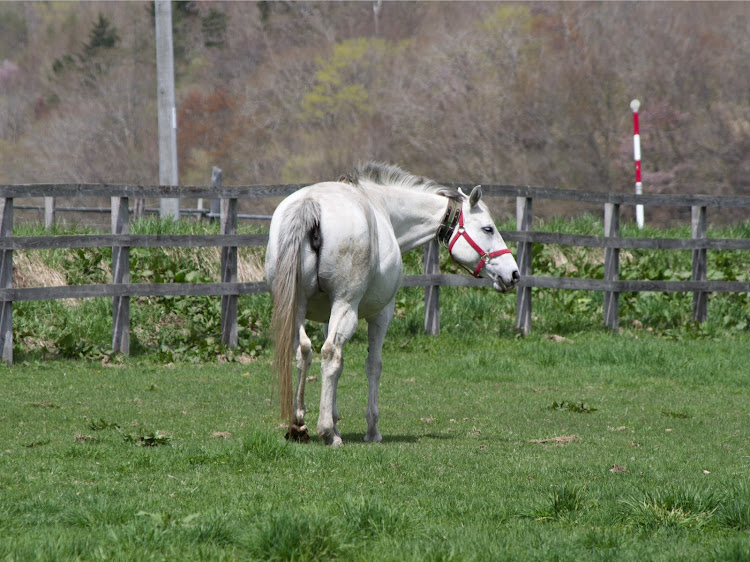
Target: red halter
{"x": 485, "y": 256}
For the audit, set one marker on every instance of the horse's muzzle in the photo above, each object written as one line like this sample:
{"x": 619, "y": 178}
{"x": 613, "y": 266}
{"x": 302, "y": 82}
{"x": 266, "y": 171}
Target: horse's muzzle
{"x": 502, "y": 286}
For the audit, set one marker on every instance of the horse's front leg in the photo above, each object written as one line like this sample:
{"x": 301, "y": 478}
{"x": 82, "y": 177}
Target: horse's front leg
{"x": 340, "y": 329}
{"x": 377, "y": 326}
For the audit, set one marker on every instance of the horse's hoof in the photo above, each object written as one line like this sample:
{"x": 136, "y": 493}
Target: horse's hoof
{"x": 297, "y": 433}
{"x": 331, "y": 438}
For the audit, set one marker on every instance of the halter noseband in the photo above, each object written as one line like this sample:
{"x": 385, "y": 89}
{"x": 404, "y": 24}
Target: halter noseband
{"x": 446, "y": 235}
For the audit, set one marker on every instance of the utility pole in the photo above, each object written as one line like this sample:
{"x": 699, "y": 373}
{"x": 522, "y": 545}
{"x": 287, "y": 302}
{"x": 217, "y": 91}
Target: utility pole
{"x": 169, "y": 208}
{"x": 377, "y": 7}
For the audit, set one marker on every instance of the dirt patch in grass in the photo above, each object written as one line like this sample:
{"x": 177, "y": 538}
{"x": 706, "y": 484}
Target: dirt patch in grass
{"x": 559, "y": 440}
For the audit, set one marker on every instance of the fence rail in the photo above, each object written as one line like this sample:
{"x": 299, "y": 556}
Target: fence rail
{"x": 282, "y": 190}
{"x": 229, "y": 289}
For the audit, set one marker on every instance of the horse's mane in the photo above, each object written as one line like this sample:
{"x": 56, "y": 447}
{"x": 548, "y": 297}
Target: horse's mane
{"x": 382, "y": 173}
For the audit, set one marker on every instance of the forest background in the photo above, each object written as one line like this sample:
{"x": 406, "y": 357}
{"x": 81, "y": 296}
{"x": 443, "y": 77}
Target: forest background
{"x": 285, "y": 92}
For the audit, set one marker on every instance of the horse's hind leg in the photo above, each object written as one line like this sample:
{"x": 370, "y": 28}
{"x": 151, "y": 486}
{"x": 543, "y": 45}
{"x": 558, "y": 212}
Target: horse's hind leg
{"x": 340, "y": 329}
{"x": 303, "y": 346}
{"x": 377, "y": 326}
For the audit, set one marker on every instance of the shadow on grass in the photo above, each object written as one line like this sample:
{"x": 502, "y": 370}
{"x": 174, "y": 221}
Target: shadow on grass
{"x": 390, "y": 438}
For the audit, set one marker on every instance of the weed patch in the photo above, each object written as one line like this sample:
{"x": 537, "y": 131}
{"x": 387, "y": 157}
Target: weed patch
{"x": 676, "y": 508}
{"x": 562, "y": 502}
{"x": 151, "y": 439}
{"x": 101, "y": 424}
{"x": 575, "y": 407}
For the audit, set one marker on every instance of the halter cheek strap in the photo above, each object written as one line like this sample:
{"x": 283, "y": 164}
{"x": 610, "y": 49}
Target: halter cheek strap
{"x": 484, "y": 256}
{"x": 450, "y": 220}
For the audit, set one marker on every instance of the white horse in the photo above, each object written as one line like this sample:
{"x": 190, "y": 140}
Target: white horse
{"x": 334, "y": 255}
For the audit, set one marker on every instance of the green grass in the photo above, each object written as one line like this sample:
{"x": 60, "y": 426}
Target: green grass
{"x": 569, "y": 444}
{"x": 479, "y": 460}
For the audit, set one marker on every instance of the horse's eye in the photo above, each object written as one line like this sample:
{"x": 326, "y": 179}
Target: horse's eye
{"x": 488, "y": 229}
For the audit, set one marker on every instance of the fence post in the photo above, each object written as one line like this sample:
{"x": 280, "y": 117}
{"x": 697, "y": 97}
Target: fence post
{"x": 523, "y": 259}
{"x": 432, "y": 292}
{"x": 229, "y": 273}
{"x": 139, "y": 208}
{"x": 612, "y": 266}
{"x": 120, "y": 275}
{"x": 700, "y": 263}
{"x": 6, "y": 281}
{"x": 49, "y": 212}
{"x": 214, "y": 208}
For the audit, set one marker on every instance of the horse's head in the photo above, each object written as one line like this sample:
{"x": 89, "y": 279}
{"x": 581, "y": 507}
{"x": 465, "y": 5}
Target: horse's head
{"x": 478, "y": 247}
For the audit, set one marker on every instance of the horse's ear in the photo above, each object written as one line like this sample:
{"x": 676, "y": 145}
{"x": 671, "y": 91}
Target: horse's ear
{"x": 476, "y": 195}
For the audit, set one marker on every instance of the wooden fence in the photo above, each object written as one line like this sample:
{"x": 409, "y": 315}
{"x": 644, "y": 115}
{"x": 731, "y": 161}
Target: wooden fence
{"x": 229, "y": 289}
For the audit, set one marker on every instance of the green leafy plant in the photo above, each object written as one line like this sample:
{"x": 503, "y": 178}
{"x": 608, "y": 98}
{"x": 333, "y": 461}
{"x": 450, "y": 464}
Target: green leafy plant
{"x": 87, "y": 265}
{"x": 150, "y": 439}
{"x": 102, "y": 424}
{"x": 578, "y": 408}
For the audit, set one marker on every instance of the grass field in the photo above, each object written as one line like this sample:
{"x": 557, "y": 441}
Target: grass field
{"x": 569, "y": 444}
{"x": 597, "y": 447}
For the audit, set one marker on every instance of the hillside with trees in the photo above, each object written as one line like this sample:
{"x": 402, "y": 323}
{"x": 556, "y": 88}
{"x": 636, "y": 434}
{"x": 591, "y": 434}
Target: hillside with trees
{"x": 272, "y": 92}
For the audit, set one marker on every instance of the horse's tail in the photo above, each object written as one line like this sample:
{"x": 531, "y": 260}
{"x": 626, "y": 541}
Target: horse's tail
{"x": 300, "y": 222}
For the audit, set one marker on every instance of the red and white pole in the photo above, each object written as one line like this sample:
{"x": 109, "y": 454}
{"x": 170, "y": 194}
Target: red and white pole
{"x": 634, "y": 105}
